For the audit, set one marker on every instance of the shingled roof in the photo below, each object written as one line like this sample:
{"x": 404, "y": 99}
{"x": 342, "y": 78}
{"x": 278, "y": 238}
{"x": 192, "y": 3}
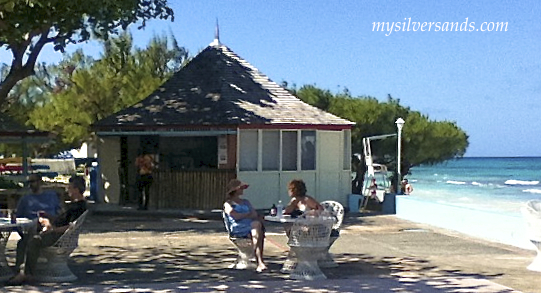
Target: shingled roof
{"x": 218, "y": 88}
{"x": 11, "y": 130}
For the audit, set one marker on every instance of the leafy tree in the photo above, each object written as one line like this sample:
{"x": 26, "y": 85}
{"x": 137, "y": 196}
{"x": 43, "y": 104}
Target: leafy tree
{"x": 123, "y": 76}
{"x": 24, "y": 96}
{"x": 424, "y": 141}
{"x": 35, "y": 91}
{"x": 26, "y": 26}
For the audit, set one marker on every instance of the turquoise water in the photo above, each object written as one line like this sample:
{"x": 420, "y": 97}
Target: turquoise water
{"x": 493, "y": 184}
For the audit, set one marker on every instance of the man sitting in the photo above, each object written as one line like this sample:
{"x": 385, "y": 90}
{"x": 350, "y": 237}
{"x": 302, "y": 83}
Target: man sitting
{"x": 29, "y": 206}
{"x": 51, "y": 228}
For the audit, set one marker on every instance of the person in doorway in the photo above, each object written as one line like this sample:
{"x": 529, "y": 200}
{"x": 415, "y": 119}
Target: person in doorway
{"x": 244, "y": 219}
{"x": 145, "y": 166}
{"x": 50, "y": 230}
{"x": 37, "y": 201}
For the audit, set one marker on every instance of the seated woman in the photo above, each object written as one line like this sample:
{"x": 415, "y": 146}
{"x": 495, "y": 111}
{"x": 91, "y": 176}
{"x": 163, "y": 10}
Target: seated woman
{"x": 244, "y": 220}
{"x": 300, "y": 202}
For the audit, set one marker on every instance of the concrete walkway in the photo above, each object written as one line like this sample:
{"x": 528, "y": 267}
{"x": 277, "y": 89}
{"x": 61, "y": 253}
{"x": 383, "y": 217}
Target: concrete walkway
{"x": 180, "y": 251}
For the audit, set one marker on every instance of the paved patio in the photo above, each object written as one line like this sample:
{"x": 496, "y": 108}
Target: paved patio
{"x": 150, "y": 251}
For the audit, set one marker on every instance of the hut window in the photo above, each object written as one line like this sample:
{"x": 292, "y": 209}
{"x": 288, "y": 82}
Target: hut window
{"x": 248, "y": 150}
{"x": 347, "y": 149}
{"x": 289, "y": 151}
{"x": 271, "y": 150}
{"x": 308, "y": 150}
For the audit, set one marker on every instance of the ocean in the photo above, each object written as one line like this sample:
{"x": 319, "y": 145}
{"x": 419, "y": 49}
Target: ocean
{"x": 501, "y": 185}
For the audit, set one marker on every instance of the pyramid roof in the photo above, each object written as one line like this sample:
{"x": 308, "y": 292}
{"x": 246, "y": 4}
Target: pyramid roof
{"x": 10, "y": 130}
{"x": 217, "y": 88}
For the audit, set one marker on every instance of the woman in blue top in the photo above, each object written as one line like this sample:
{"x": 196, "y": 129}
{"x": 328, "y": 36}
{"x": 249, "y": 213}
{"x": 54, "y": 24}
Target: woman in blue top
{"x": 244, "y": 220}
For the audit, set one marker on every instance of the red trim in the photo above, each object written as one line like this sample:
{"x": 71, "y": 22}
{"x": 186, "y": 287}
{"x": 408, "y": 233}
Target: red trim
{"x": 295, "y": 126}
{"x": 222, "y": 127}
{"x": 163, "y": 127}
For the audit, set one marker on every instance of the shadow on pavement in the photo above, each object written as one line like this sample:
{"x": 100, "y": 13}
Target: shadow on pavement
{"x": 194, "y": 255}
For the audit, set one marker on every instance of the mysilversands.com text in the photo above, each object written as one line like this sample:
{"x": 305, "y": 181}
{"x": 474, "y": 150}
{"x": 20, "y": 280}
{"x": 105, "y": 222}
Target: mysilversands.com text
{"x": 407, "y": 25}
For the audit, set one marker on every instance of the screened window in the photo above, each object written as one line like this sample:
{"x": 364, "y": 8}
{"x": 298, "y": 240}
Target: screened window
{"x": 289, "y": 150}
{"x": 271, "y": 150}
{"x": 347, "y": 149}
{"x": 248, "y": 150}
{"x": 308, "y": 150}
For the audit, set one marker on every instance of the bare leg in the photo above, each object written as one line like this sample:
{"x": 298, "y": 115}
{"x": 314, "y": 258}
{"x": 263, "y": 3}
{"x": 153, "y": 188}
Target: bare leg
{"x": 258, "y": 239}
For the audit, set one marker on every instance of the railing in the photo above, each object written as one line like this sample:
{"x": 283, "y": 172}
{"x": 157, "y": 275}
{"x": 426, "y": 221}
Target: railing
{"x": 192, "y": 189}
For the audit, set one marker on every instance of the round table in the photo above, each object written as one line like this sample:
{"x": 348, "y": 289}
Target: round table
{"x": 291, "y": 261}
{"x": 6, "y": 227}
{"x": 302, "y": 260}
{"x": 283, "y": 219}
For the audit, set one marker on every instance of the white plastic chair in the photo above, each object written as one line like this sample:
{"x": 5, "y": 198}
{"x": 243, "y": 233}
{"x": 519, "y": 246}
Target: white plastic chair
{"x": 52, "y": 264}
{"x": 336, "y": 210}
{"x": 532, "y": 216}
{"x": 245, "y": 248}
{"x": 309, "y": 240}
{"x": 5, "y": 271}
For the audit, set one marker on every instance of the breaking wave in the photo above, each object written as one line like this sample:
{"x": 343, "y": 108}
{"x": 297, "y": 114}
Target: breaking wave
{"x": 538, "y": 191}
{"x": 521, "y": 182}
{"x": 455, "y": 182}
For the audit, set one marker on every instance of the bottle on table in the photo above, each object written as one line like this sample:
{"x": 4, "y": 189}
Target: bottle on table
{"x": 273, "y": 210}
{"x": 13, "y": 217}
{"x": 279, "y": 209}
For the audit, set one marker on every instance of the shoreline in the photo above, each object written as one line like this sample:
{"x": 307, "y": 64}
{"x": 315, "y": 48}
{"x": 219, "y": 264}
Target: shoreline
{"x": 488, "y": 225}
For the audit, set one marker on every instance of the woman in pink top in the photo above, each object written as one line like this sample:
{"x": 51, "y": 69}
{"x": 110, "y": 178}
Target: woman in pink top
{"x": 145, "y": 165}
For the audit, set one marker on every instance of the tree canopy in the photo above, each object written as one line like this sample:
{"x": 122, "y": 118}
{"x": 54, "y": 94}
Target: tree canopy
{"x": 424, "y": 141}
{"x": 26, "y": 26}
{"x": 67, "y": 98}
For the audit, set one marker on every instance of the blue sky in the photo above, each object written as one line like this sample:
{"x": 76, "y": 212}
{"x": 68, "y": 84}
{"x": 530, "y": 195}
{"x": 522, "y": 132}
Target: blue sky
{"x": 489, "y": 82}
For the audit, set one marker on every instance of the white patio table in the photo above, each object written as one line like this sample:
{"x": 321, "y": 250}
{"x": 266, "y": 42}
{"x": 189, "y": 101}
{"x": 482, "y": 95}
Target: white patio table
{"x": 291, "y": 261}
{"x": 283, "y": 219}
{"x": 6, "y": 227}
{"x": 308, "y": 239}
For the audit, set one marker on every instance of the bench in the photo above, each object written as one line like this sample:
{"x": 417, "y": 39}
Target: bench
{"x": 245, "y": 248}
{"x": 52, "y": 264}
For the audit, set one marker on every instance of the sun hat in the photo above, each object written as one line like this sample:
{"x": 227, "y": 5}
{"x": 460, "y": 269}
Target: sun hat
{"x": 235, "y": 185}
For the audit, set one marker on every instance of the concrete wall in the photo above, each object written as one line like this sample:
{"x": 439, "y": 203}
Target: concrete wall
{"x": 488, "y": 225}
{"x": 328, "y": 182}
{"x": 109, "y": 158}
{"x": 334, "y": 183}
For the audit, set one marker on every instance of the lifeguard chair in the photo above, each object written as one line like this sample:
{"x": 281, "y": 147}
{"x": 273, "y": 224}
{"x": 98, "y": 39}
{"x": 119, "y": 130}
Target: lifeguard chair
{"x": 374, "y": 171}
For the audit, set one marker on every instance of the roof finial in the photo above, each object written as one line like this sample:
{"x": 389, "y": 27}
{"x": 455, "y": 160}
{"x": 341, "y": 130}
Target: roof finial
{"x": 216, "y": 41}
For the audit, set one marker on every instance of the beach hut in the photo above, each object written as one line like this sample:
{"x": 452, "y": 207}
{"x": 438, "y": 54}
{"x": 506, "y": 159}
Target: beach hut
{"x": 14, "y": 133}
{"x": 220, "y": 118}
